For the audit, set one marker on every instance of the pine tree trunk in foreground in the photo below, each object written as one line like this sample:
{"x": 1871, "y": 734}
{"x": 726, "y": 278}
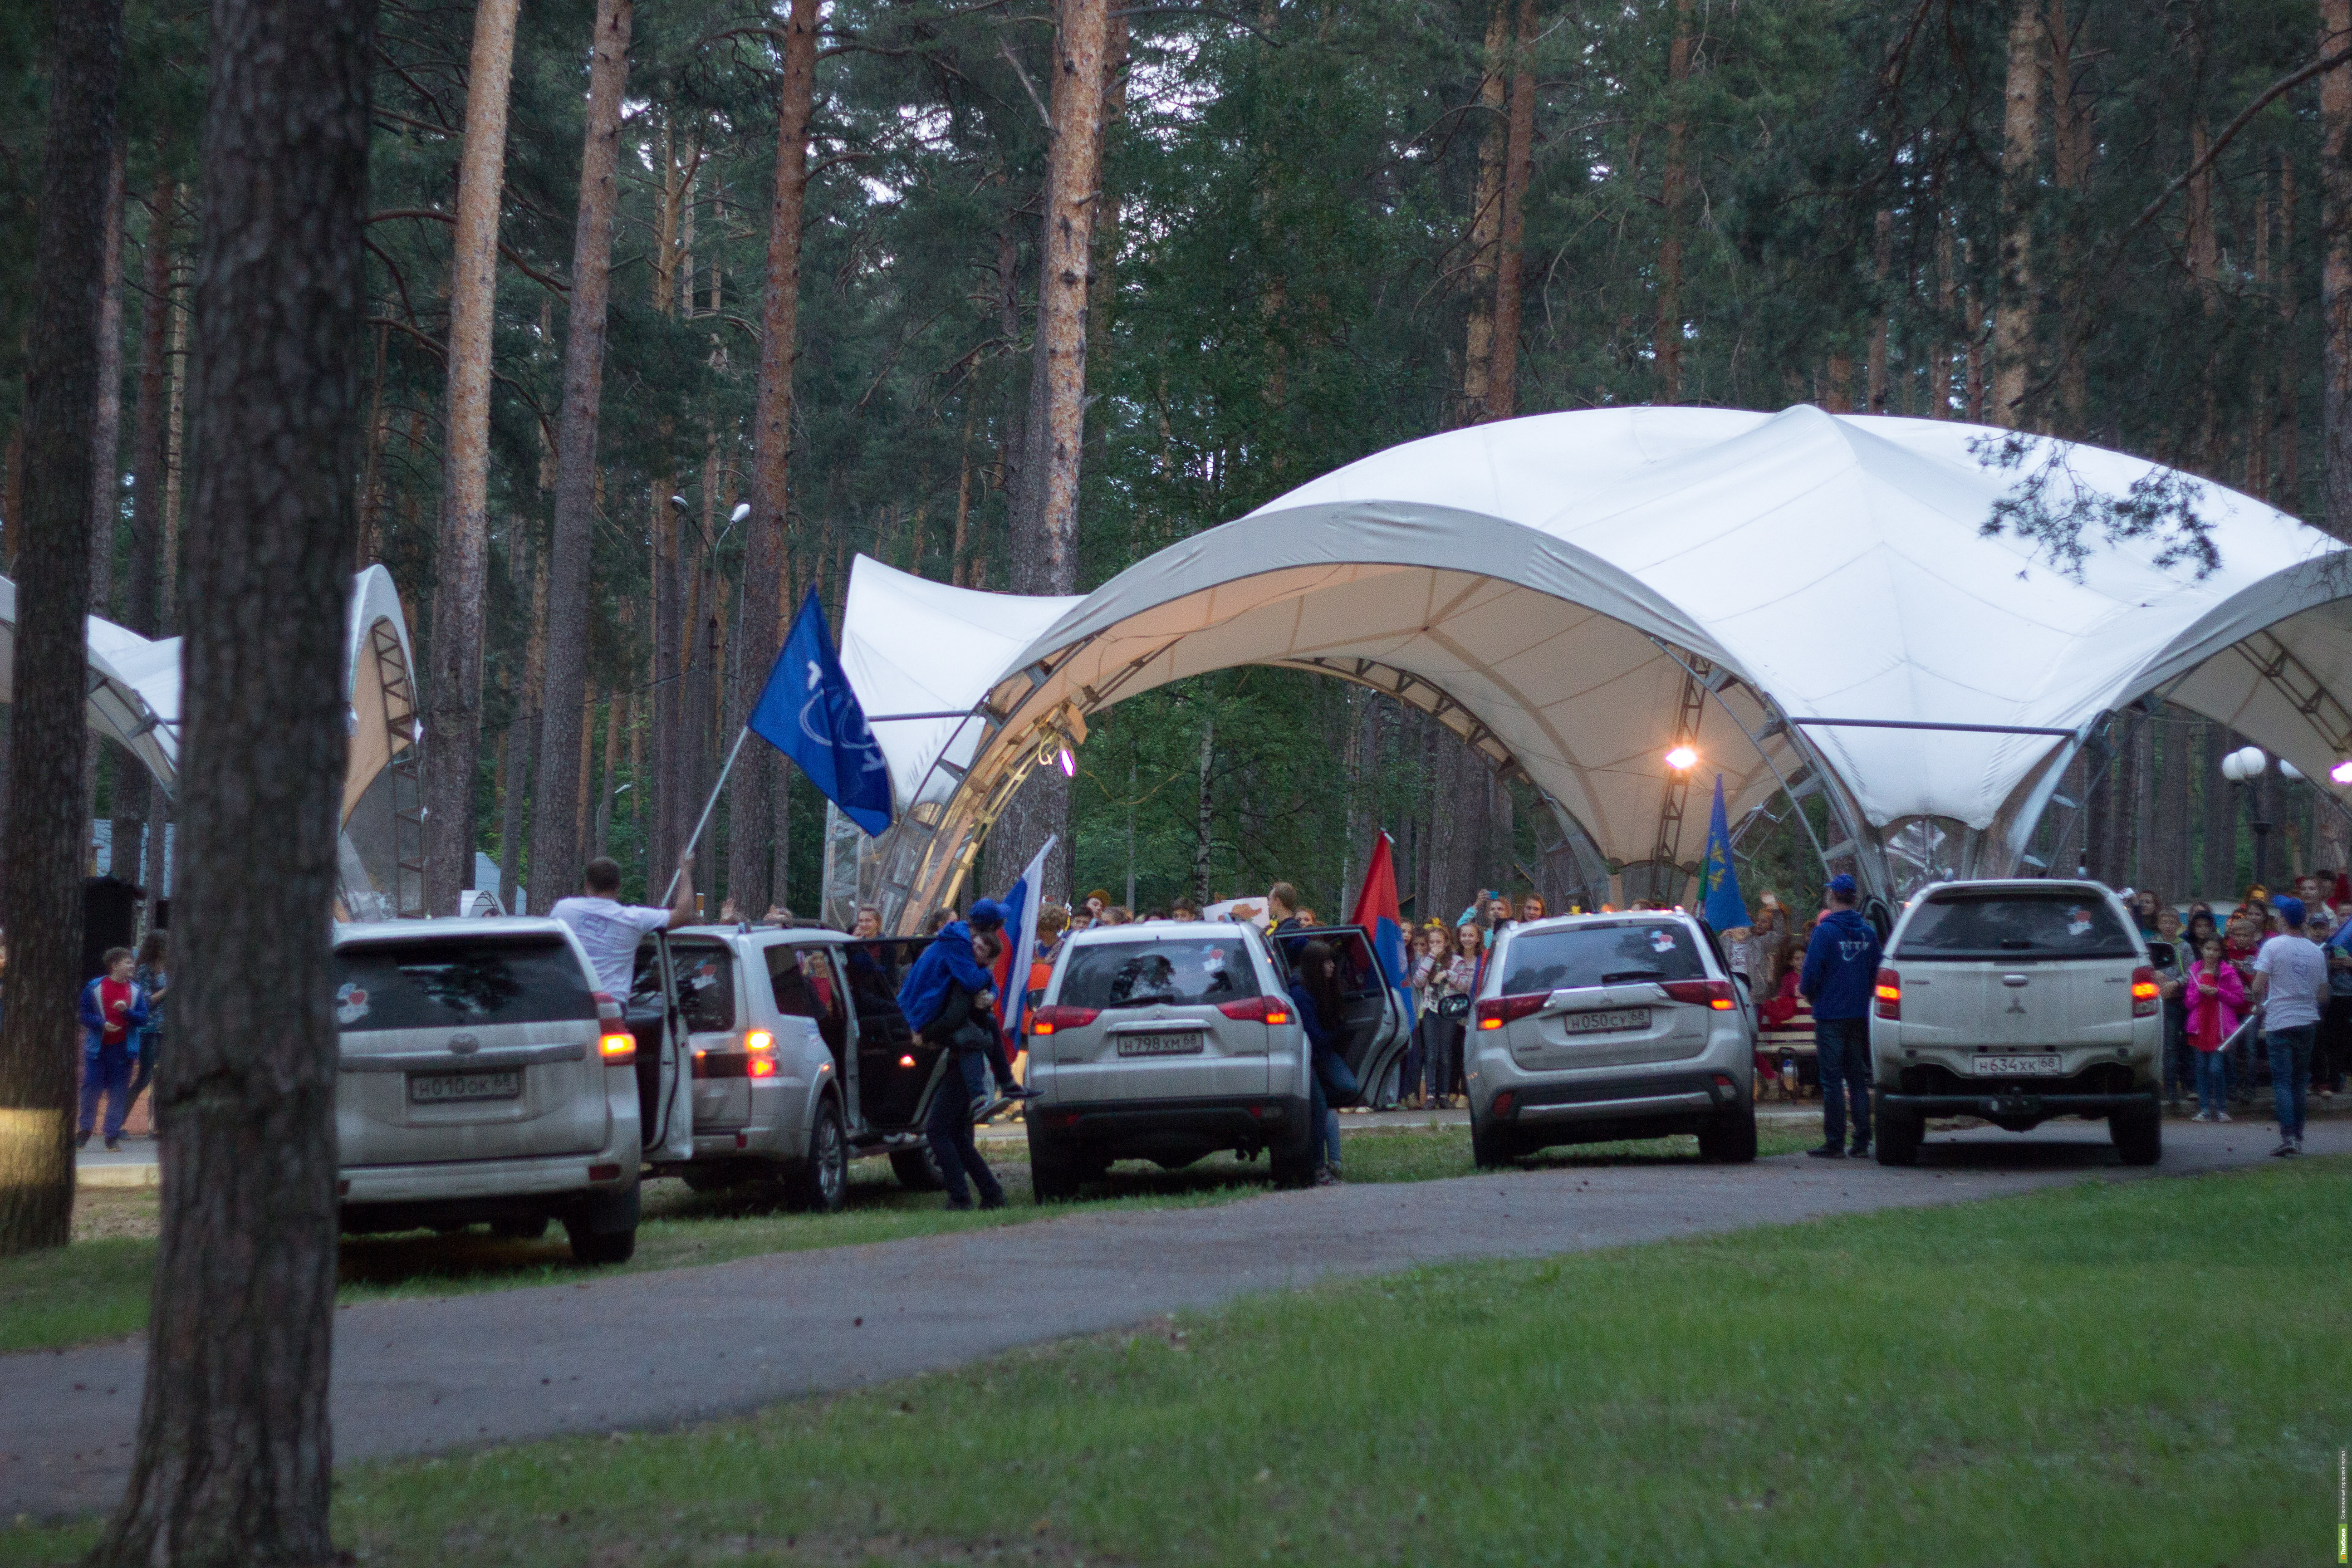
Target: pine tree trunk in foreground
{"x": 2335, "y": 273}
{"x": 106, "y": 435}
{"x": 234, "y": 1451}
{"x": 555, "y": 860}
{"x": 40, "y": 845}
{"x": 1667, "y": 342}
{"x": 453, "y": 697}
{"x": 2012, "y": 316}
{"x": 1485, "y": 217}
{"x": 748, "y": 858}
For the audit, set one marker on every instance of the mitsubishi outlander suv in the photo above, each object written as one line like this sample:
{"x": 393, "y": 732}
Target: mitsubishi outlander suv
{"x": 2016, "y": 1002}
{"x": 1168, "y": 1042}
{"x": 1592, "y": 1027}
{"x": 483, "y": 1079}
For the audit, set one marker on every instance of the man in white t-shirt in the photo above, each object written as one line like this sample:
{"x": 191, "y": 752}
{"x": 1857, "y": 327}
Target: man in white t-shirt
{"x": 2291, "y": 988}
{"x": 611, "y": 929}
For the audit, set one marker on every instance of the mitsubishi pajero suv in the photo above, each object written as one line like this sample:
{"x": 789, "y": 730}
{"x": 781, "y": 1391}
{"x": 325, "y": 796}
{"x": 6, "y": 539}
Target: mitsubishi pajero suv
{"x": 2016, "y": 1002}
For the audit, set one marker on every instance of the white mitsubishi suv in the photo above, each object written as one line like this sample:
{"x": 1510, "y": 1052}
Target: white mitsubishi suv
{"x": 2016, "y": 1002}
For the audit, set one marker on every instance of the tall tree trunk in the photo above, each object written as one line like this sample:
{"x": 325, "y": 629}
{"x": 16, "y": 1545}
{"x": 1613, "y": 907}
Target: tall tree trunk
{"x": 1486, "y": 215}
{"x": 41, "y": 843}
{"x": 1519, "y": 166}
{"x": 616, "y": 724}
{"x": 1204, "y": 817}
{"x": 234, "y": 1455}
{"x": 748, "y": 858}
{"x": 1882, "y": 260}
{"x": 142, "y": 595}
{"x": 2167, "y": 860}
{"x": 1667, "y": 343}
{"x": 453, "y": 699}
{"x": 528, "y": 567}
{"x": 2336, "y": 272}
{"x": 106, "y": 433}
{"x": 2218, "y": 878}
{"x": 2257, "y": 475}
{"x": 2071, "y": 147}
{"x": 2287, "y": 489}
{"x": 1045, "y": 554}
{"x": 2013, "y": 300}
{"x": 555, "y": 826}
{"x": 175, "y": 432}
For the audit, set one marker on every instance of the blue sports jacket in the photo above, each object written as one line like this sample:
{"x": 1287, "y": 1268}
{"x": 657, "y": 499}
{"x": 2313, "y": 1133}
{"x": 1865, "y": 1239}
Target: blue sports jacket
{"x": 93, "y": 1022}
{"x": 1841, "y": 966}
{"x": 948, "y": 960}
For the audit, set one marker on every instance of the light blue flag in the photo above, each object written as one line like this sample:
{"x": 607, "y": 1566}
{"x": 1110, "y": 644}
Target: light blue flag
{"x": 1721, "y": 904}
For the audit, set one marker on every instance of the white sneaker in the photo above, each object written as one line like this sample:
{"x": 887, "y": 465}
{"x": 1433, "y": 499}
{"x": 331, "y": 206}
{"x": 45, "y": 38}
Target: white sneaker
{"x": 2221, "y": 1116}
{"x": 2203, "y": 1115}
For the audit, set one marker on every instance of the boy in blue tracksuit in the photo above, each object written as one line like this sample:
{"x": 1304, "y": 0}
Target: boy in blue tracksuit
{"x": 113, "y": 1011}
{"x": 1839, "y": 974}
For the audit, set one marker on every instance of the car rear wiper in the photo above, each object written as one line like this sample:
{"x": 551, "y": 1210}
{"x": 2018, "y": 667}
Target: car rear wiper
{"x": 1616, "y": 975}
{"x": 2015, "y": 943}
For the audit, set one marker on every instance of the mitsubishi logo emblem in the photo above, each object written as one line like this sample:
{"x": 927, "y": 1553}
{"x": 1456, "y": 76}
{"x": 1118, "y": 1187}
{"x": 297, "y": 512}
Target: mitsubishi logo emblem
{"x": 2017, "y": 1003}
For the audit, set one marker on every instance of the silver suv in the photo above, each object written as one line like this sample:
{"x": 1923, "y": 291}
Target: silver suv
{"x": 796, "y": 1059}
{"x": 483, "y": 1079}
{"x": 1168, "y": 1042}
{"x": 2016, "y": 1002}
{"x": 1613, "y": 1026}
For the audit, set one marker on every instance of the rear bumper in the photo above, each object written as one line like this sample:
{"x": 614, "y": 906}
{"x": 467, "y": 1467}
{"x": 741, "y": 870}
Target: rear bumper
{"x": 1596, "y": 1099}
{"x": 1995, "y": 1106}
{"x": 1242, "y": 1122}
{"x": 465, "y": 1191}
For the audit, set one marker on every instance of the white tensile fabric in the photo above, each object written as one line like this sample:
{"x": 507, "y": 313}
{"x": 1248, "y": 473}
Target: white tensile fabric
{"x": 1531, "y": 568}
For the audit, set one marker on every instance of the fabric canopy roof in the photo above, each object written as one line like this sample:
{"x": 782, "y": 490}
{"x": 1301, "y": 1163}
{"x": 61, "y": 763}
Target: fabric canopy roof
{"x": 1567, "y": 589}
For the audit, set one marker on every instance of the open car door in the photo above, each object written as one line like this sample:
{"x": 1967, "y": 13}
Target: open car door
{"x": 897, "y": 1071}
{"x": 1372, "y": 1012}
{"x": 664, "y": 1073}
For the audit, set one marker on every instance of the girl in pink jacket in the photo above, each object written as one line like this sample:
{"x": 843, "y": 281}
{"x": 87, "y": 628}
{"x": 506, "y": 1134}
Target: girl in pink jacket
{"x": 2217, "y": 1000}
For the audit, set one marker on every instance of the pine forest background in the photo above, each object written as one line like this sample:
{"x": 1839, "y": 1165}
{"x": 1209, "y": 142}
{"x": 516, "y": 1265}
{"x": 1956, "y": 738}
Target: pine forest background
{"x": 1321, "y": 228}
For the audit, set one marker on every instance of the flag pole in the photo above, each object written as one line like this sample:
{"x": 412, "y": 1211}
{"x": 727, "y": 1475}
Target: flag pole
{"x": 707, "y": 807}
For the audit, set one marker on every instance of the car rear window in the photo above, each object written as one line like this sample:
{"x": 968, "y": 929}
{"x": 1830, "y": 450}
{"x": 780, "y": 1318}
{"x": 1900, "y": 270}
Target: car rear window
{"x": 1576, "y": 956}
{"x": 445, "y": 984}
{"x": 2056, "y": 924}
{"x": 1180, "y": 973}
{"x": 705, "y": 986}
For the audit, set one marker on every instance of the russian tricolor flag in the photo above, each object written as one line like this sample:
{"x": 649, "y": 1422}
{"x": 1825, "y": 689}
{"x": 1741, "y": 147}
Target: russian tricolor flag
{"x": 1377, "y": 912}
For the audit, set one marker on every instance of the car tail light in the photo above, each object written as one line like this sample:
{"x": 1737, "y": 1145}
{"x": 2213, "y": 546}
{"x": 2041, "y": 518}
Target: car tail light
{"x": 1889, "y": 992}
{"x": 2145, "y": 1001}
{"x": 906, "y": 1061}
{"x": 604, "y": 1173}
{"x": 759, "y": 1040}
{"x": 1715, "y": 993}
{"x": 616, "y": 1049}
{"x": 1504, "y": 1103}
{"x": 1045, "y": 1020}
{"x": 1257, "y": 1010}
{"x": 760, "y": 1067}
{"x": 1497, "y": 1011}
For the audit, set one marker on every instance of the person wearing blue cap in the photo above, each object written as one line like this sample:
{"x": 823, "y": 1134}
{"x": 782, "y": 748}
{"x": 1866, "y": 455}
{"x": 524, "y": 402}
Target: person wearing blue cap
{"x": 1841, "y": 970}
{"x": 2291, "y": 988}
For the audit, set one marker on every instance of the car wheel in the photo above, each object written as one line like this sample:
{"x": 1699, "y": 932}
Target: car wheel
{"x": 1732, "y": 1140}
{"x": 603, "y": 1229}
{"x": 918, "y": 1169}
{"x": 530, "y": 1229}
{"x": 1491, "y": 1147}
{"x": 820, "y": 1183}
{"x": 2138, "y": 1134}
{"x": 1899, "y": 1137}
{"x": 1054, "y": 1170}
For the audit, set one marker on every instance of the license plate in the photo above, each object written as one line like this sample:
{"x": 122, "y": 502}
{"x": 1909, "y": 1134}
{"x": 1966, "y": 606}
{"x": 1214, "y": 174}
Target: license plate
{"x": 1605, "y": 1023}
{"x": 2019, "y": 1066}
{"x": 450, "y": 1087}
{"x": 1180, "y": 1042}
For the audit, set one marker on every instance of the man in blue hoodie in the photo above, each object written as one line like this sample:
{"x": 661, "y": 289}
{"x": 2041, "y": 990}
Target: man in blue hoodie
{"x": 1840, "y": 972}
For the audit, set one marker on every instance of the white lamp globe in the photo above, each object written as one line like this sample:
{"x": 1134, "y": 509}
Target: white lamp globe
{"x": 2232, "y": 769}
{"x": 2289, "y": 769}
{"x": 2252, "y": 761}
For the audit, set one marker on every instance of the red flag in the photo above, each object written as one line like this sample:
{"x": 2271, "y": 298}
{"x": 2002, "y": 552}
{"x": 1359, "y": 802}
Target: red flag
{"x": 1378, "y": 912}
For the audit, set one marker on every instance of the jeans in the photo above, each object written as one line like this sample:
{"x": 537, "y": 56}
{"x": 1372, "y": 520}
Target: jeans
{"x": 948, "y": 1129}
{"x": 110, "y": 1073}
{"x": 2290, "y": 1075}
{"x": 1842, "y": 1046}
{"x": 2212, "y": 1082}
{"x": 1437, "y": 1053}
{"x": 2332, "y": 1051}
{"x": 1334, "y": 1079}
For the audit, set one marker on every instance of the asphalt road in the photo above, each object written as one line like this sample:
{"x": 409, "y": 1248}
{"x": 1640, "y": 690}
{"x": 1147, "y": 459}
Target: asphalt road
{"x": 654, "y": 1351}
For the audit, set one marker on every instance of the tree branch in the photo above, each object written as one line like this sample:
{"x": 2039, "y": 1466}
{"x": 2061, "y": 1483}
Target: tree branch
{"x": 525, "y": 268}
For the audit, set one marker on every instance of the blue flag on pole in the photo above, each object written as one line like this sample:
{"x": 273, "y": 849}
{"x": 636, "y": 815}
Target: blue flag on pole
{"x": 1724, "y": 908}
{"x": 808, "y": 712}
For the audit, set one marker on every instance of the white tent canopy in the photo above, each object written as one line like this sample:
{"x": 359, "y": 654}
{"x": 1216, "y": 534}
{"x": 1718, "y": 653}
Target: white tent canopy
{"x": 1574, "y": 591}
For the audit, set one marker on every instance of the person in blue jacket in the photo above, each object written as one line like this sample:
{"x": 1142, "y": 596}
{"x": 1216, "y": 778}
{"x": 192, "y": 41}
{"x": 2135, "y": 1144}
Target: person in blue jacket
{"x": 1839, "y": 974}
{"x": 949, "y": 962}
{"x": 1315, "y": 992}
{"x": 113, "y": 1011}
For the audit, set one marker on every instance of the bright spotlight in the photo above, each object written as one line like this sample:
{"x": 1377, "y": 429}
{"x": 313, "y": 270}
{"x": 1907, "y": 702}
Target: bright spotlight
{"x": 1068, "y": 764}
{"x": 2342, "y": 772}
{"x": 1681, "y": 758}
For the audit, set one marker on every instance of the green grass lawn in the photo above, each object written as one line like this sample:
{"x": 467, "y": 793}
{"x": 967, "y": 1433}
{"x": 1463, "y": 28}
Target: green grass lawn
{"x": 2144, "y": 1373}
{"x": 97, "y": 1289}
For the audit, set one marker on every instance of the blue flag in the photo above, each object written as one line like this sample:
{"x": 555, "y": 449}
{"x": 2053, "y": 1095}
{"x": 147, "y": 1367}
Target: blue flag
{"x": 808, "y": 712}
{"x": 1719, "y": 882}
